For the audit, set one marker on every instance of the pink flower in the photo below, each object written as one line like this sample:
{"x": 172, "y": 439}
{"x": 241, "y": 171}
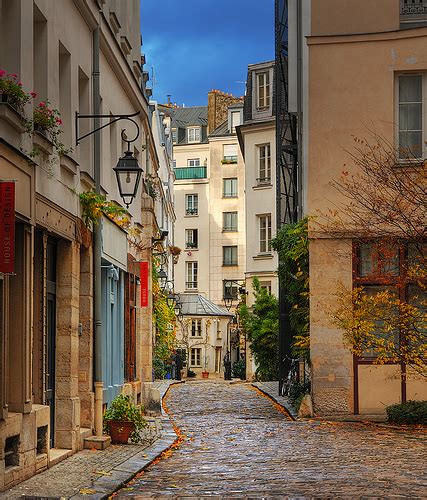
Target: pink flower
{"x": 13, "y": 75}
{"x": 58, "y": 121}
{"x": 42, "y": 104}
{"x": 20, "y": 84}
{"x": 2, "y": 72}
{"x": 33, "y": 94}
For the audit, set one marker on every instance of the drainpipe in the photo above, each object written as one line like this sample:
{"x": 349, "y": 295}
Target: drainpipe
{"x": 299, "y": 111}
{"x": 97, "y": 240}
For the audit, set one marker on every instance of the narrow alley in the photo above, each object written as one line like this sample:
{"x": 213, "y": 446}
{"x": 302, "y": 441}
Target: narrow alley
{"x": 238, "y": 444}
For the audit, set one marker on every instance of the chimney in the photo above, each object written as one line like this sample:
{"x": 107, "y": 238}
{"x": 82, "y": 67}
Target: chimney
{"x": 218, "y": 103}
{"x": 169, "y": 99}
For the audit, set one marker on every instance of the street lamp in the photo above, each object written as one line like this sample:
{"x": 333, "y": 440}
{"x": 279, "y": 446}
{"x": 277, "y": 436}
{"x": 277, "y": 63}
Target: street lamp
{"x": 163, "y": 278}
{"x": 128, "y": 174}
{"x": 228, "y": 296}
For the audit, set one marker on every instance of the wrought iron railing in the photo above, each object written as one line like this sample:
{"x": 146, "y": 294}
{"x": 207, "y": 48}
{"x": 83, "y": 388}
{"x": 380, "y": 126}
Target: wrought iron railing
{"x": 413, "y": 12}
{"x": 191, "y": 211}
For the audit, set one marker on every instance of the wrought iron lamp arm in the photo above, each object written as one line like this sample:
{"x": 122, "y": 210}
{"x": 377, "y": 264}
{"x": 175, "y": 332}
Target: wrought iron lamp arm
{"x": 116, "y": 119}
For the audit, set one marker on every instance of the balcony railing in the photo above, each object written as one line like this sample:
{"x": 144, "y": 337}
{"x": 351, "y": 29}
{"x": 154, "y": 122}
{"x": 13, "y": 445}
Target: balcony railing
{"x": 413, "y": 12}
{"x": 262, "y": 181}
{"x": 190, "y": 173}
{"x": 191, "y": 244}
{"x": 191, "y": 211}
{"x": 227, "y": 160}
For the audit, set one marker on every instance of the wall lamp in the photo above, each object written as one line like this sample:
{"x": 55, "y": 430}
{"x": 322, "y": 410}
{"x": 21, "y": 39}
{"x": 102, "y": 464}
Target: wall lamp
{"x": 128, "y": 172}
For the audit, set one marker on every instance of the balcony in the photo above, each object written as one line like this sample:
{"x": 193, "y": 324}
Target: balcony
{"x": 413, "y": 13}
{"x": 191, "y": 211}
{"x": 182, "y": 173}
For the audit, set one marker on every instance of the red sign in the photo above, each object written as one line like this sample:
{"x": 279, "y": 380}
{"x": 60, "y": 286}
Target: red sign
{"x": 7, "y": 227}
{"x": 143, "y": 274}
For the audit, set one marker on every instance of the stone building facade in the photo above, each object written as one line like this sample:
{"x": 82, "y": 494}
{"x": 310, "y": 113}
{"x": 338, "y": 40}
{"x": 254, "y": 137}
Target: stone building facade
{"x": 355, "y": 58}
{"x": 46, "y": 305}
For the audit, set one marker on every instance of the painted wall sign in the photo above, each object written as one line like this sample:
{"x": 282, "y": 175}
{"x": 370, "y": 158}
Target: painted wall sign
{"x": 143, "y": 268}
{"x": 7, "y": 227}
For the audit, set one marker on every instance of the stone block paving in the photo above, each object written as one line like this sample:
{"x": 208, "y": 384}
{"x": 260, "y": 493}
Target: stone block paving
{"x": 239, "y": 445}
{"x": 84, "y": 469}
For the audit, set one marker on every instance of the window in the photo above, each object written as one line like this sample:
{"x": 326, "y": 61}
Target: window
{"x": 191, "y": 204}
{"x": 196, "y": 356}
{"x": 191, "y": 238}
{"x": 229, "y": 153}
{"x": 410, "y": 116}
{"x": 191, "y": 275}
{"x": 229, "y": 256}
{"x": 196, "y": 328}
{"x": 229, "y": 221}
{"x": 230, "y": 290}
{"x": 235, "y": 121}
{"x": 263, "y": 90}
{"x": 265, "y": 233}
{"x": 230, "y": 188}
{"x": 264, "y": 162}
{"x": 174, "y": 135}
{"x": 266, "y": 285}
{"x": 194, "y": 162}
{"x": 193, "y": 134}
{"x": 174, "y": 164}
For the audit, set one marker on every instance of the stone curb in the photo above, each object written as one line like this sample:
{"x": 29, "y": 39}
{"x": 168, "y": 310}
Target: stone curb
{"x": 279, "y": 400}
{"x": 124, "y": 472}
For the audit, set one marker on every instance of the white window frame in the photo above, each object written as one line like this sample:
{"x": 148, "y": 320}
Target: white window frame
{"x": 264, "y": 163}
{"x": 189, "y": 238}
{"x": 193, "y": 162}
{"x": 193, "y": 206}
{"x": 404, "y": 159}
{"x": 264, "y": 226}
{"x": 196, "y": 357}
{"x": 174, "y": 135}
{"x": 196, "y": 328}
{"x": 233, "y": 122}
{"x": 191, "y": 275}
{"x": 231, "y": 228}
{"x": 193, "y": 134}
{"x": 230, "y": 148}
{"x": 263, "y": 81}
{"x": 234, "y": 194}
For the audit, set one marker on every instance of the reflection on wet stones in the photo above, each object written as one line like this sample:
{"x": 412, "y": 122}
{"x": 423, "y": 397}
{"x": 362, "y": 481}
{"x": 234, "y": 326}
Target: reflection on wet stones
{"x": 238, "y": 444}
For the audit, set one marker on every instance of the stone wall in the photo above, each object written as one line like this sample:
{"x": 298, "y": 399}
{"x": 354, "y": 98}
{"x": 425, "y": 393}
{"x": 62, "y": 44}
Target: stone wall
{"x": 218, "y": 103}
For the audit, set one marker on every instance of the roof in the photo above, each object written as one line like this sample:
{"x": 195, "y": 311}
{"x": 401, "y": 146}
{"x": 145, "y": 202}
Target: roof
{"x": 194, "y": 304}
{"x": 184, "y": 117}
{"x": 221, "y": 130}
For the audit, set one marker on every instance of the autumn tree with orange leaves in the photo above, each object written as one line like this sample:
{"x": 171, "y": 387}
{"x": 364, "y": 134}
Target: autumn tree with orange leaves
{"x": 383, "y": 211}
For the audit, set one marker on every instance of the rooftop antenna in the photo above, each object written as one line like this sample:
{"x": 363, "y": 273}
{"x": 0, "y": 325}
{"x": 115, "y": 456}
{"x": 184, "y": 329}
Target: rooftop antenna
{"x": 244, "y": 83}
{"x": 153, "y": 78}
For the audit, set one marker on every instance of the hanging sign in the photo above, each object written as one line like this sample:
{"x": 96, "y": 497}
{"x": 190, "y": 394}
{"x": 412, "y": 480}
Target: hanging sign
{"x": 7, "y": 227}
{"x": 143, "y": 275}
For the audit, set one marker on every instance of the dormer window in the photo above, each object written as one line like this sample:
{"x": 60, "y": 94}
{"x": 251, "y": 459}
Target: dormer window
{"x": 174, "y": 135}
{"x": 235, "y": 121}
{"x": 263, "y": 90}
{"x": 193, "y": 134}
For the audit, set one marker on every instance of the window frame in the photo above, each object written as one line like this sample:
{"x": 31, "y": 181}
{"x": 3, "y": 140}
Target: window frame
{"x": 194, "y": 210}
{"x": 409, "y": 159}
{"x": 197, "y": 363}
{"x": 190, "y": 244}
{"x": 268, "y": 234}
{"x": 193, "y": 162}
{"x": 196, "y": 328}
{"x": 197, "y": 131}
{"x": 193, "y": 283}
{"x": 266, "y": 86}
{"x": 230, "y": 229}
{"x": 224, "y": 180}
{"x": 266, "y": 179}
{"x": 234, "y": 260}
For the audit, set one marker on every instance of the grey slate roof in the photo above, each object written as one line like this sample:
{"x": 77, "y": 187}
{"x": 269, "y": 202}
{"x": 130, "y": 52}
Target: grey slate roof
{"x": 194, "y": 304}
{"x": 185, "y": 117}
{"x": 221, "y": 130}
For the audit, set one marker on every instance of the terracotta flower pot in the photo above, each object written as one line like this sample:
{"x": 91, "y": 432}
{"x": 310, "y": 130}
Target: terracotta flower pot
{"x": 120, "y": 431}
{"x": 205, "y": 374}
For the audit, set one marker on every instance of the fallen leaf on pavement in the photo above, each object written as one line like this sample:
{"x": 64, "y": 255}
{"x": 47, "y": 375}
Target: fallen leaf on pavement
{"x": 87, "y": 491}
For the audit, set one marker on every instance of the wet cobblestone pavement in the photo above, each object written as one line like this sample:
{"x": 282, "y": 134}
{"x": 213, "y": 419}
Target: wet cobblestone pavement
{"x": 239, "y": 444}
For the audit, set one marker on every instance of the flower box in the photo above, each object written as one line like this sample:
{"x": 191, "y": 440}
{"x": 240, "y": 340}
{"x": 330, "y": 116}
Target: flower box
{"x": 11, "y": 115}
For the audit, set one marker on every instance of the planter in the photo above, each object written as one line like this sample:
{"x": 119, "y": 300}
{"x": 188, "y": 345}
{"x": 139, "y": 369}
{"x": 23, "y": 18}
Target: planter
{"x": 120, "y": 431}
{"x": 41, "y": 140}
{"x": 205, "y": 374}
{"x": 10, "y": 114}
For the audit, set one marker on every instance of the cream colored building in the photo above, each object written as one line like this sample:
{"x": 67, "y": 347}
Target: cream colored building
{"x": 209, "y": 198}
{"x": 47, "y": 404}
{"x": 358, "y": 56}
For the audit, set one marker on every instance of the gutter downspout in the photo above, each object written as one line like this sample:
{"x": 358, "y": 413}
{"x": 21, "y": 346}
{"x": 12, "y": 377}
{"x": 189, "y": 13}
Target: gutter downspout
{"x": 97, "y": 240}
{"x": 299, "y": 112}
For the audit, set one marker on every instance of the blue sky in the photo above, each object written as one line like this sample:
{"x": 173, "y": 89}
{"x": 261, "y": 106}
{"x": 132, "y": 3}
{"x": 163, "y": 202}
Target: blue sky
{"x": 198, "y": 45}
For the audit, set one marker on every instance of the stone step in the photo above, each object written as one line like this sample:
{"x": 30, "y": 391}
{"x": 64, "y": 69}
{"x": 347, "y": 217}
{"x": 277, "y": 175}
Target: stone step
{"x": 97, "y": 442}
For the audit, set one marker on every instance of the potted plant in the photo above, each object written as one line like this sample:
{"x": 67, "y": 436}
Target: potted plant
{"x": 11, "y": 91}
{"x": 124, "y": 420}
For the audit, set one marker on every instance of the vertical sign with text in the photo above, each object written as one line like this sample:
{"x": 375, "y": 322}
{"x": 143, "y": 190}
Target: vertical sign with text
{"x": 143, "y": 268}
{"x": 7, "y": 227}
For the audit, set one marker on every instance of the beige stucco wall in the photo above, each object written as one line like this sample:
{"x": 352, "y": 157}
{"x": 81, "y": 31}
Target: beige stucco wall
{"x": 360, "y": 97}
{"x": 350, "y": 16}
{"x": 217, "y": 205}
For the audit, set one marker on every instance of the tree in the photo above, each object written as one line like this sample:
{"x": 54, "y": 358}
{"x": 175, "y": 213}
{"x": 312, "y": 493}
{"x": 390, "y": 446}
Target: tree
{"x": 291, "y": 243}
{"x": 383, "y": 213}
{"x": 261, "y": 325}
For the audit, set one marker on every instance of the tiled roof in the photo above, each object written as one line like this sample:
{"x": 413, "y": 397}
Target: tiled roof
{"x": 194, "y": 304}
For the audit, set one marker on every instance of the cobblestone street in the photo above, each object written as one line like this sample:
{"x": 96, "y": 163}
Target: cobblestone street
{"x": 239, "y": 444}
